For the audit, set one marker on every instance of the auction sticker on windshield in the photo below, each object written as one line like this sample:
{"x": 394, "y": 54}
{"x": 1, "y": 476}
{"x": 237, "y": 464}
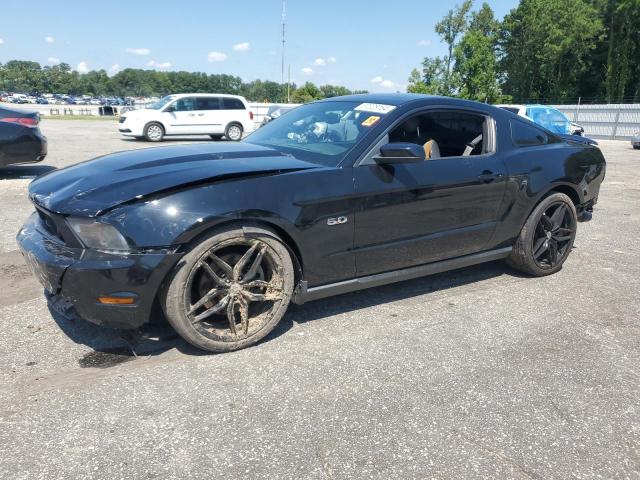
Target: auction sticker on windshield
{"x": 375, "y": 107}
{"x": 371, "y": 121}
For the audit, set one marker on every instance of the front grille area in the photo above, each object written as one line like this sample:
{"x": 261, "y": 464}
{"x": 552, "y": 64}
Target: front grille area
{"x": 57, "y": 227}
{"x": 49, "y": 224}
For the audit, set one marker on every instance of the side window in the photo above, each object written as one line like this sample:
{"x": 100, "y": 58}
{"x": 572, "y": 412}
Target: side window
{"x": 525, "y": 135}
{"x": 208, "y": 103}
{"x": 446, "y": 133}
{"x": 186, "y": 104}
{"x": 232, "y": 104}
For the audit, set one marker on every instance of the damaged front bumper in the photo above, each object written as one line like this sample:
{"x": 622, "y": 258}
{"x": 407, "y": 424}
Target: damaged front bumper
{"x": 77, "y": 277}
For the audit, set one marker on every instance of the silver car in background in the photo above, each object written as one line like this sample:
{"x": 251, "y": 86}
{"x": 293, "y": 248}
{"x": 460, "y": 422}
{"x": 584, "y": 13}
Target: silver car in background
{"x": 635, "y": 140}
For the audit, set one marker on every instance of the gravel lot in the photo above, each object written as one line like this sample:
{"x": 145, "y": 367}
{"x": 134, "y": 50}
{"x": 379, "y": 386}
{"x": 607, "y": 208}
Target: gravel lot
{"x": 477, "y": 373}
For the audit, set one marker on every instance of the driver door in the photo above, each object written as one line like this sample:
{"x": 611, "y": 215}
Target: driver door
{"x": 415, "y": 213}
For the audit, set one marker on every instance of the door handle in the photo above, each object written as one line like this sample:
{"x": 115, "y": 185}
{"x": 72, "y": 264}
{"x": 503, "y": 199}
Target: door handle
{"x": 192, "y": 115}
{"x": 201, "y": 114}
{"x": 488, "y": 176}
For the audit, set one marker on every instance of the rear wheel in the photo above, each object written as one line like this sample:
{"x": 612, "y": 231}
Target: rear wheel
{"x": 154, "y": 132}
{"x": 233, "y": 132}
{"x": 230, "y": 290}
{"x": 547, "y": 237}
{"x": 636, "y": 147}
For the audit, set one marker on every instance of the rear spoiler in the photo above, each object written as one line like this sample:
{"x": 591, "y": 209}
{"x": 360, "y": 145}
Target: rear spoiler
{"x": 578, "y": 139}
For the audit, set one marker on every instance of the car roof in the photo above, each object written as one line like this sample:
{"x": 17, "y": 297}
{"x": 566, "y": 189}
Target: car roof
{"x": 399, "y": 99}
{"x": 181, "y": 95}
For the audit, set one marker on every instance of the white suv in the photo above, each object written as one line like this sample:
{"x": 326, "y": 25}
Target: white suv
{"x": 190, "y": 114}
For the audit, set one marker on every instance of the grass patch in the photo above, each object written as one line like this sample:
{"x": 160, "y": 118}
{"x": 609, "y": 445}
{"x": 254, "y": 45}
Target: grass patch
{"x": 78, "y": 117}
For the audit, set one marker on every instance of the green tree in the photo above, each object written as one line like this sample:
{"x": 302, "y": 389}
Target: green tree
{"x": 545, "y": 45}
{"x": 476, "y": 64}
{"x": 450, "y": 28}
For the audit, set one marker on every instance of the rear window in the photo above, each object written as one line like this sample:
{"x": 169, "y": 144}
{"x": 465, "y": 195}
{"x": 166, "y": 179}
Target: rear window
{"x": 232, "y": 104}
{"x": 525, "y": 135}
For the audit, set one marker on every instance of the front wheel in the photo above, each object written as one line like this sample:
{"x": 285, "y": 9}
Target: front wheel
{"x": 154, "y": 132}
{"x": 233, "y": 132}
{"x": 547, "y": 237}
{"x": 230, "y": 290}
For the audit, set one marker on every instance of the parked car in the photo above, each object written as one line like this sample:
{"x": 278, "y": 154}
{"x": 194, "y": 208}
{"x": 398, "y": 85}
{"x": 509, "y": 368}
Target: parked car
{"x": 42, "y": 101}
{"x": 549, "y": 117}
{"x": 274, "y": 112}
{"x": 635, "y": 140}
{"x": 20, "y": 138}
{"x": 335, "y": 196}
{"x": 190, "y": 114}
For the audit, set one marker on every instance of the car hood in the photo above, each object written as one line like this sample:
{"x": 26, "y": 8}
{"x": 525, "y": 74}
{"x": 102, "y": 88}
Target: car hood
{"x": 96, "y": 186}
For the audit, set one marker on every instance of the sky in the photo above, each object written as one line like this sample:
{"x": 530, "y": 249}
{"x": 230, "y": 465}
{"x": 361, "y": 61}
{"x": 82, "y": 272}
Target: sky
{"x": 370, "y": 45}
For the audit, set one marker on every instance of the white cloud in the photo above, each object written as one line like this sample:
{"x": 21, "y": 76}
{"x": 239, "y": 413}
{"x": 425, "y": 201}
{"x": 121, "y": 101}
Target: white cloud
{"x": 138, "y": 51}
{"x": 1, "y": 41}
{"x": 216, "y": 57}
{"x": 49, "y": 39}
{"x": 307, "y": 71}
{"x": 388, "y": 84}
{"x": 115, "y": 68}
{"x": 151, "y": 63}
{"x": 377, "y": 79}
{"x": 241, "y": 47}
{"x": 53, "y": 60}
{"x": 82, "y": 67}
{"x": 320, "y": 62}
{"x": 163, "y": 65}
{"x": 332, "y": 60}
{"x": 423, "y": 43}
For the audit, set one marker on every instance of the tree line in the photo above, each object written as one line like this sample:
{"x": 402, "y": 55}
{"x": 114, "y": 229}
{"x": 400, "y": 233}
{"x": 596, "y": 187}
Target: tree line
{"x": 546, "y": 50}
{"x": 26, "y": 77}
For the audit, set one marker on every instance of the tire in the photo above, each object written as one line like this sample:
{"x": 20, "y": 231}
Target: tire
{"x": 551, "y": 226}
{"x": 233, "y": 132}
{"x": 636, "y": 147}
{"x": 216, "y": 137}
{"x": 194, "y": 299}
{"x": 154, "y": 132}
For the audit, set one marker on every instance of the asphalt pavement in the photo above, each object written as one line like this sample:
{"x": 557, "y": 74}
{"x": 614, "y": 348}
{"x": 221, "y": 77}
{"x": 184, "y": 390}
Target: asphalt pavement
{"x": 476, "y": 373}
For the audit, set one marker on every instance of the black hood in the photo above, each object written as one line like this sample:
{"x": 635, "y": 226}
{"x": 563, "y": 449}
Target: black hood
{"x": 93, "y": 187}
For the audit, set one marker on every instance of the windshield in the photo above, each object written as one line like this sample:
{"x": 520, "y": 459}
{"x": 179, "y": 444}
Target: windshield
{"x": 322, "y": 132}
{"x": 160, "y": 103}
{"x": 550, "y": 118}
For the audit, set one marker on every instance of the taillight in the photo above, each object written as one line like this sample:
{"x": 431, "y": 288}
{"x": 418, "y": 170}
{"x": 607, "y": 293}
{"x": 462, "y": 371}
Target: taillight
{"x": 250, "y": 115}
{"x": 24, "y": 121}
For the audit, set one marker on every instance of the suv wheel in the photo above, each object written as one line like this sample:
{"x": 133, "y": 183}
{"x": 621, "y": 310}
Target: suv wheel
{"x": 154, "y": 132}
{"x": 230, "y": 290}
{"x": 233, "y": 132}
{"x": 547, "y": 237}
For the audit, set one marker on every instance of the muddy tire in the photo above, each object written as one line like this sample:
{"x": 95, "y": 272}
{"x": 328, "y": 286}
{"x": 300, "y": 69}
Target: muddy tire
{"x": 546, "y": 239}
{"x": 230, "y": 290}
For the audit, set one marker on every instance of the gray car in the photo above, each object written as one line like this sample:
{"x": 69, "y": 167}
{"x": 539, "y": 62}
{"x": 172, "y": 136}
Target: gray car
{"x": 635, "y": 140}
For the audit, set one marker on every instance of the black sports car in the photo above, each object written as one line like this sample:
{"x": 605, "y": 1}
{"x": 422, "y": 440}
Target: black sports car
{"x": 334, "y": 196}
{"x": 20, "y": 138}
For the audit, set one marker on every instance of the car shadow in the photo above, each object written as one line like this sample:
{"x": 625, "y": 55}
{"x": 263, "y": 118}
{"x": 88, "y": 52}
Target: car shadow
{"x": 111, "y": 347}
{"x": 22, "y": 172}
{"x": 172, "y": 139}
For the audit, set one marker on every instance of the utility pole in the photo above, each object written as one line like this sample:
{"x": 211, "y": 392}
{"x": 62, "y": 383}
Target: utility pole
{"x": 284, "y": 14}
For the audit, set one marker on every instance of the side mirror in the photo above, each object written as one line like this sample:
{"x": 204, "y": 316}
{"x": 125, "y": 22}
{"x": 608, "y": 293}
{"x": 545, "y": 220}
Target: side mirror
{"x": 392, "y": 153}
{"x": 170, "y": 108}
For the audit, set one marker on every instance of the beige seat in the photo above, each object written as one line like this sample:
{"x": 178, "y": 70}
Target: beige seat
{"x": 431, "y": 149}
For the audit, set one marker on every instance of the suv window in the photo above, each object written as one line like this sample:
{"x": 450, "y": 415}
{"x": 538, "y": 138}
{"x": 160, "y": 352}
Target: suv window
{"x": 525, "y": 135}
{"x": 445, "y": 133}
{"x": 208, "y": 103}
{"x": 186, "y": 104}
{"x": 232, "y": 104}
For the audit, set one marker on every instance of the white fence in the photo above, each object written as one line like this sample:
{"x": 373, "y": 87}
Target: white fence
{"x": 612, "y": 121}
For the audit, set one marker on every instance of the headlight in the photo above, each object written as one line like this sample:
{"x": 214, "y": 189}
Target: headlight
{"x": 101, "y": 236}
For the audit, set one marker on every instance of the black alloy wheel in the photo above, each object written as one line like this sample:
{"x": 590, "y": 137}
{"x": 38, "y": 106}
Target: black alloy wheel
{"x": 546, "y": 239}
